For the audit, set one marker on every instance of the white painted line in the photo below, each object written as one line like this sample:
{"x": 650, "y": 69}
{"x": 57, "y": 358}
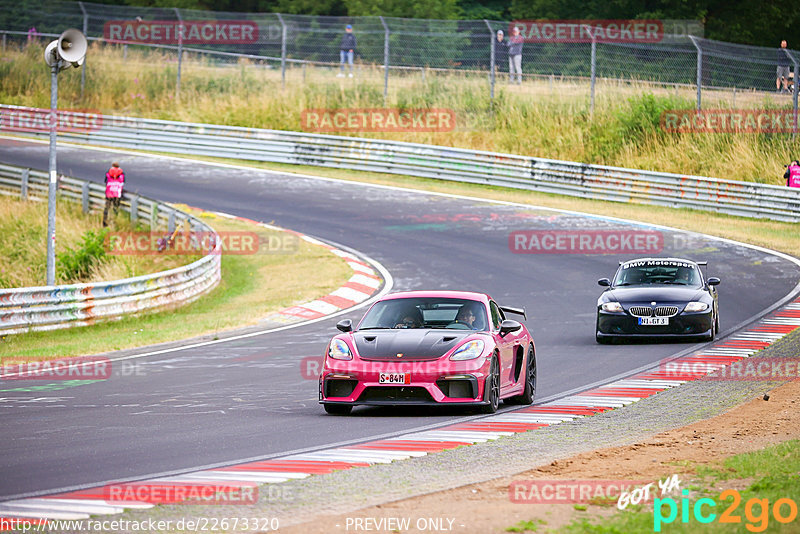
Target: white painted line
{"x": 320, "y": 306}
{"x": 42, "y": 513}
{"x": 341, "y": 458}
{"x": 635, "y": 382}
{"x": 218, "y": 476}
{"x": 295, "y": 475}
{"x": 138, "y": 505}
{"x": 343, "y": 254}
{"x": 365, "y": 281}
{"x": 458, "y": 435}
{"x": 73, "y": 505}
{"x": 537, "y": 416}
{"x": 350, "y": 294}
{"x": 412, "y": 453}
{"x": 527, "y": 419}
{"x": 360, "y": 267}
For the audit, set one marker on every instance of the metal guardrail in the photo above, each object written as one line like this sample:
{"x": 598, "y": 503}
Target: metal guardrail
{"x": 600, "y": 182}
{"x": 25, "y": 309}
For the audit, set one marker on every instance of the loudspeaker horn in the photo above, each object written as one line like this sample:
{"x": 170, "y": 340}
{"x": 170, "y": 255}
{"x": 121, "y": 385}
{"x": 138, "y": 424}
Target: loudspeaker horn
{"x": 72, "y": 46}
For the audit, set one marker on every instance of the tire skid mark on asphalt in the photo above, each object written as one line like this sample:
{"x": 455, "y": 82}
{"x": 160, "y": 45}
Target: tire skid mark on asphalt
{"x": 763, "y": 333}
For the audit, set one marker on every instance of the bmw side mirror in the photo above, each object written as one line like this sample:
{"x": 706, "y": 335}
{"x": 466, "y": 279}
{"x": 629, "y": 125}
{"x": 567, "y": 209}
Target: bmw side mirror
{"x": 713, "y": 281}
{"x": 345, "y": 325}
{"x": 605, "y": 282}
{"x": 508, "y": 326}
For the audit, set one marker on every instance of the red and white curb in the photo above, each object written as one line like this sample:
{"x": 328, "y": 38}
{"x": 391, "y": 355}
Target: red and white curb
{"x": 358, "y": 288}
{"x": 82, "y": 504}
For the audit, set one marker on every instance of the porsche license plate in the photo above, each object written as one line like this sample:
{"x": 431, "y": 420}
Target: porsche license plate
{"x": 394, "y": 378}
{"x": 654, "y": 321}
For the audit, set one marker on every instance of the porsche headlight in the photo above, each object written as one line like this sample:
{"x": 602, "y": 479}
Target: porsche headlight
{"x": 469, "y": 350}
{"x": 696, "y": 307}
{"x": 613, "y": 307}
{"x": 339, "y": 350}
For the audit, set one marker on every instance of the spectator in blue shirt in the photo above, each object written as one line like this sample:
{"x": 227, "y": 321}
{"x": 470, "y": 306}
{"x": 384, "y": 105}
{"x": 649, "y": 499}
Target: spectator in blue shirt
{"x": 347, "y": 50}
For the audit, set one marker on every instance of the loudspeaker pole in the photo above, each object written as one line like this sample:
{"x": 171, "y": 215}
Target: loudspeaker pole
{"x": 68, "y": 50}
{"x": 51, "y": 190}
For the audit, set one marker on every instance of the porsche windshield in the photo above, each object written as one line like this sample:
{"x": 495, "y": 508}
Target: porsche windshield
{"x": 426, "y": 312}
{"x": 658, "y": 272}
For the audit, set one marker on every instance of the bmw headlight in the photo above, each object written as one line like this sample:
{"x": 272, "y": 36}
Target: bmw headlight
{"x": 339, "y": 350}
{"x": 469, "y": 350}
{"x": 613, "y": 307}
{"x": 696, "y": 307}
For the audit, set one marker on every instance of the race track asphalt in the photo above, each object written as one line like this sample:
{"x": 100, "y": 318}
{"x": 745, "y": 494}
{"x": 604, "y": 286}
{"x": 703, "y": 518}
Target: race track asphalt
{"x": 248, "y": 398}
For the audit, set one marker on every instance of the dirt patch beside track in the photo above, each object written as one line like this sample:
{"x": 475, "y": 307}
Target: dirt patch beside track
{"x": 486, "y": 507}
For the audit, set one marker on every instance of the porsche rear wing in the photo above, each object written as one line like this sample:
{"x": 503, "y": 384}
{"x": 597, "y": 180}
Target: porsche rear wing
{"x": 516, "y": 311}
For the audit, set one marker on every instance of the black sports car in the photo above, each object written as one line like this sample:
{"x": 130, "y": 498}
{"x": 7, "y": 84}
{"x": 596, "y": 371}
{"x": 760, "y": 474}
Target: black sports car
{"x": 653, "y": 297}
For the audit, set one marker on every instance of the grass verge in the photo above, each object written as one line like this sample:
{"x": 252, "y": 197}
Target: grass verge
{"x": 543, "y": 117}
{"x": 753, "y": 492}
{"x": 252, "y": 286}
{"x": 81, "y": 256}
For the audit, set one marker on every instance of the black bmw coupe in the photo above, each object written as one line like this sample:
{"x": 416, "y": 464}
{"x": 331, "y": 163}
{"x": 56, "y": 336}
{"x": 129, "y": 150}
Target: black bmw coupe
{"x": 654, "y": 297}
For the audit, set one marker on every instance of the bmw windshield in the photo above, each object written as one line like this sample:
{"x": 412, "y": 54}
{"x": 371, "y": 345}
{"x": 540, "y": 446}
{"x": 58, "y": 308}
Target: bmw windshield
{"x": 642, "y": 273}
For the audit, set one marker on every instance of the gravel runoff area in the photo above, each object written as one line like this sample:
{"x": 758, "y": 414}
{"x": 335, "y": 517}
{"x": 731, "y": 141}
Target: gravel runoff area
{"x": 341, "y": 492}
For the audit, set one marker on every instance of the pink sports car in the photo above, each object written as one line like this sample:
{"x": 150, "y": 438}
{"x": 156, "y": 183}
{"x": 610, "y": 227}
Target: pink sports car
{"x": 430, "y": 347}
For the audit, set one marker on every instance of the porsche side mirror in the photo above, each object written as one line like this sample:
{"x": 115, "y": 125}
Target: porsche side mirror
{"x": 605, "y": 282}
{"x": 508, "y": 326}
{"x": 345, "y": 325}
{"x": 713, "y": 281}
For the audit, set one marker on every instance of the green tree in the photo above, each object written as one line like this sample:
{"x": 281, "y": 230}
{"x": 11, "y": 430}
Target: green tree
{"x": 443, "y": 9}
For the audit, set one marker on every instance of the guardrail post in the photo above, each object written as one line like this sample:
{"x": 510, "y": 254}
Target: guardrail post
{"x": 85, "y": 32}
{"x": 4, "y": 42}
{"x": 134, "y": 208}
{"x": 24, "y": 189}
{"x": 171, "y": 222}
{"x": 385, "y": 60}
{"x": 85, "y": 197}
{"x": 180, "y": 53}
{"x": 153, "y": 216}
{"x": 125, "y": 52}
{"x": 699, "y": 70}
{"x": 593, "y": 69}
{"x": 492, "y": 61}
{"x": 794, "y": 92}
{"x": 283, "y": 51}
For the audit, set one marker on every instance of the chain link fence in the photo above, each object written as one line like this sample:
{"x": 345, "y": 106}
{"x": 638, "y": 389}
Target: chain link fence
{"x": 389, "y": 49}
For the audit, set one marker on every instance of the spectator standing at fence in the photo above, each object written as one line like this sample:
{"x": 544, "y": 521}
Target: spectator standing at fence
{"x": 500, "y": 50}
{"x": 792, "y": 174}
{"x": 515, "y": 55}
{"x": 115, "y": 181}
{"x": 783, "y": 69}
{"x": 347, "y": 50}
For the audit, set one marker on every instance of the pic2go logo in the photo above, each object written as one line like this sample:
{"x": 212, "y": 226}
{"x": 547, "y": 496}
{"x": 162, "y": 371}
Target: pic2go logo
{"x": 757, "y": 511}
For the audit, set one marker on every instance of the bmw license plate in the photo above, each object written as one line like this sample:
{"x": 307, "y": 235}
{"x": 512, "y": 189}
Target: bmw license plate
{"x": 394, "y": 378}
{"x": 653, "y": 321}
